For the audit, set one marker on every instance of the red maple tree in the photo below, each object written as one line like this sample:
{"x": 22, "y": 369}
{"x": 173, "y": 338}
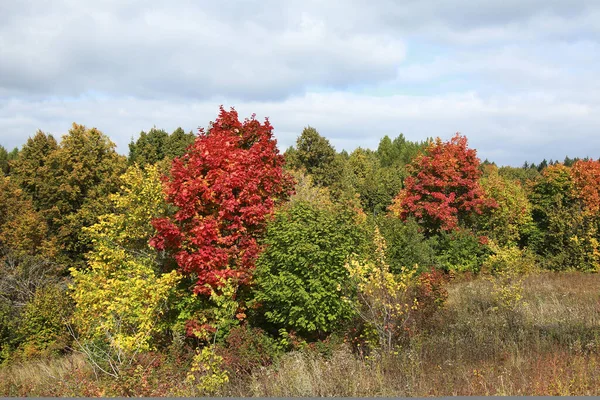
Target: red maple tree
{"x": 224, "y": 188}
{"x": 443, "y": 186}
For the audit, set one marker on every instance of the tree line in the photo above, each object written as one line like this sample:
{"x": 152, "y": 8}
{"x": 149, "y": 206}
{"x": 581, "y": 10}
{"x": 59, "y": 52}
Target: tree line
{"x": 198, "y": 240}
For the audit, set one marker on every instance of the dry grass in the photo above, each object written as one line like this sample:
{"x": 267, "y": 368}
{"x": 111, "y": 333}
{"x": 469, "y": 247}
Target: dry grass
{"x": 550, "y": 345}
{"x": 43, "y": 377}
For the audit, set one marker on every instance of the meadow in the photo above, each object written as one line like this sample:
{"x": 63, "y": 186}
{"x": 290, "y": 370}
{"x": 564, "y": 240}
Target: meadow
{"x": 548, "y": 345}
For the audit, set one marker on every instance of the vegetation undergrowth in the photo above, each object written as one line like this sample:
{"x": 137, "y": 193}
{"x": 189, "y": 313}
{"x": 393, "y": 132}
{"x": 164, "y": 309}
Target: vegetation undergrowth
{"x": 549, "y": 345}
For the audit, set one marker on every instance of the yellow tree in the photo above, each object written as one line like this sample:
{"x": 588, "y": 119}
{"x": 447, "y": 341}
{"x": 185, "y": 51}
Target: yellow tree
{"x": 120, "y": 297}
{"x": 511, "y": 220}
{"x": 384, "y": 300}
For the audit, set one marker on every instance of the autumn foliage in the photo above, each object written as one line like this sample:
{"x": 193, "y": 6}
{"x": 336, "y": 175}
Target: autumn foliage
{"x": 224, "y": 188}
{"x": 194, "y": 270}
{"x": 443, "y": 186}
{"x": 586, "y": 182}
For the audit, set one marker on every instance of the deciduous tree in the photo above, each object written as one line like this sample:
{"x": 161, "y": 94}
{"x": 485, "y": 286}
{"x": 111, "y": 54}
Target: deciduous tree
{"x": 511, "y": 221}
{"x": 314, "y": 153}
{"x": 586, "y": 184}
{"x": 443, "y": 187}
{"x": 301, "y": 273}
{"x": 563, "y": 209}
{"x": 122, "y": 295}
{"x": 224, "y": 189}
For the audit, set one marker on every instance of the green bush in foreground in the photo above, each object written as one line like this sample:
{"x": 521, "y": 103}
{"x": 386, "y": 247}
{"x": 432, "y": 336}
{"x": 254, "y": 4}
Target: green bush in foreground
{"x": 300, "y": 275}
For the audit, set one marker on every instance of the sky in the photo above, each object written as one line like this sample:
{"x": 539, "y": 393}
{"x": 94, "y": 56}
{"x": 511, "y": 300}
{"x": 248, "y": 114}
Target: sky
{"x": 519, "y": 78}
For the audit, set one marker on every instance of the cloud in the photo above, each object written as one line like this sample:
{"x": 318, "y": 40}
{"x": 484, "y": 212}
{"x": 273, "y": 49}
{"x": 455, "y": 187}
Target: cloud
{"x": 518, "y": 78}
{"x": 506, "y": 129}
{"x": 167, "y": 50}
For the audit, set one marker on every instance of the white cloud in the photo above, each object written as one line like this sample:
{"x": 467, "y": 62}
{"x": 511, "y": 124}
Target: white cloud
{"x": 185, "y": 50}
{"x": 519, "y": 78}
{"x": 507, "y": 129}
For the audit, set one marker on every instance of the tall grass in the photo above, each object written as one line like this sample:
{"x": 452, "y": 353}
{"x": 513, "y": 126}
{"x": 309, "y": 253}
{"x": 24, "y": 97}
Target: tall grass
{"x": 549, "y": 345}
{"x": 56, "y": 376}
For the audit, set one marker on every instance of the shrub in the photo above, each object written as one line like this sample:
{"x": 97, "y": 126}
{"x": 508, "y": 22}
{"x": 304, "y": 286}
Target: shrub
{"x": 43, "y": 321}
{"x": 300, "y": 275}
{"x": 247, "y": 349}
{"x": 407, "y": 245}
{"x": 508, "y": 267}
{"x": 431, "y": 295}
{"x": 207, "y": 374}
{"x": 384, "y": 300}
{"x": 26, "y": 285}
{"x": 460, "y": 251}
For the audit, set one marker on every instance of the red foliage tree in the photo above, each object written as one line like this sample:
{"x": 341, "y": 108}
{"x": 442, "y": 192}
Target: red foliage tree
{"x": 443, "y": 187}
{"x": 224, "y": 188}
{"x": 586, "y": 184}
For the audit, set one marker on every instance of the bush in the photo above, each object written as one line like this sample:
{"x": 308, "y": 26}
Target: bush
{"x": 300, "y": 275}
{"x": 207, "y": 375}
{"x": 384, "y": 300}
{"x": 407, "y": 245}
{"x": 43, "y": 328}
{"x": 460, "y": 251}
{"x": 247, "y": 349}
{"x": 431, "y": 295}
{"x": 508, "y": 267}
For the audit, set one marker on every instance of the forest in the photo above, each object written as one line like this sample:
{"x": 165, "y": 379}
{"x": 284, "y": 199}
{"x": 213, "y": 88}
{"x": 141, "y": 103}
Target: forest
{"x": 212, "y": 264}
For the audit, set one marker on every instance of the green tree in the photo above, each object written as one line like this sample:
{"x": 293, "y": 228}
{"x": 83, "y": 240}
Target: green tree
{"x": 398, "y": 152}
{"x": 317, "y": 156}
{"x": 550, "y": 191}
{"x": 387, "y": 152}
{"x": 291, "y": 159}
{"x": 178, "y": 142}
{"x": 567, "y": 235}
{"x": 69, "y": 183}
{"x": 149, "y": 148}
{"x": 157, "y": 145}
{"x": 524, "y": 175}
{"x": 301, "y": 273}
{"x": 85, "y": 171}
{"x": 6, "y": 158}
{"x": 33, "y": 172}
{"x": 375, "y": 185}
{"x": 460, "y": 251}
{"x": 407, "y": 245}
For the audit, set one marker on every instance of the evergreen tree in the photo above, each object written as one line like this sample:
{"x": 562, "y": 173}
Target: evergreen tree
{"x": 318, "y": 157}
{"x": 149, "y": 148}
{"x": 177, "y": 143}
